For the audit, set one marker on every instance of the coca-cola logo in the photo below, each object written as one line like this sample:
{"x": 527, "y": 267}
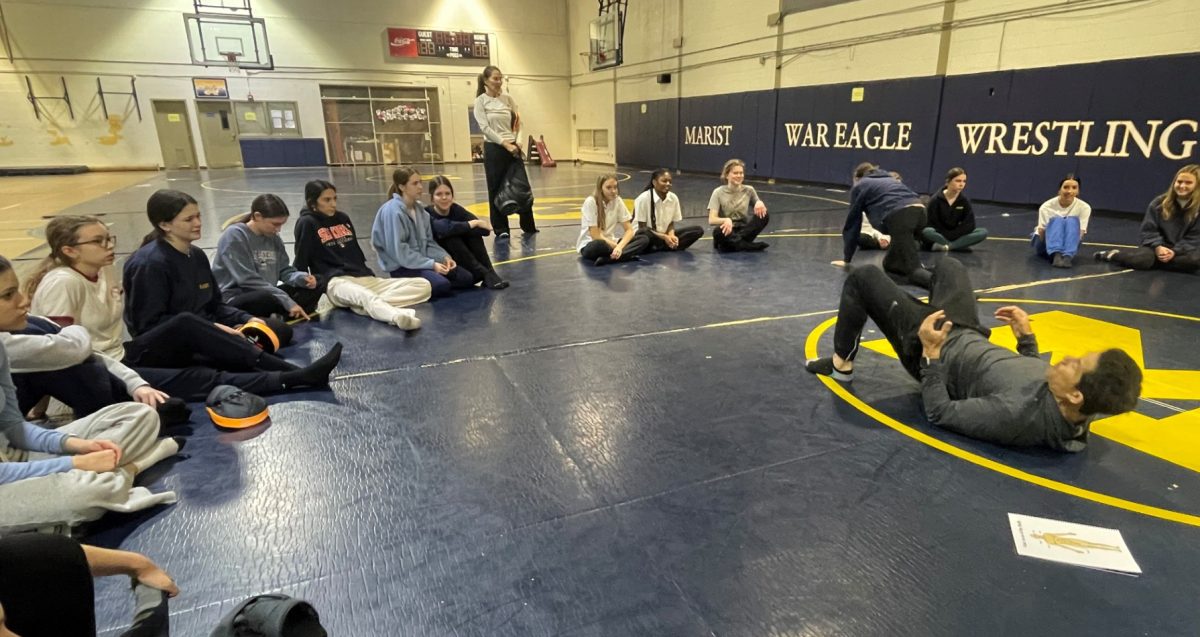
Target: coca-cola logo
{"x": 402, "y": 41}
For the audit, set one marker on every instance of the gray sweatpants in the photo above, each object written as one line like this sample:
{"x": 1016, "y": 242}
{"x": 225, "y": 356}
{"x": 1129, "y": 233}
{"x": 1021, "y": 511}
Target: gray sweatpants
{"x": 79, "y": 496}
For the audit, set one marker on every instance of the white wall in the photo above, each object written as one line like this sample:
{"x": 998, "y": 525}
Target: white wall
{"x": 728, "y": 47}
{"x": 313, "y": 41}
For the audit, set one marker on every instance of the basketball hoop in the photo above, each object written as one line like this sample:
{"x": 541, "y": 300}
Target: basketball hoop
{"x": 231, "y": 58}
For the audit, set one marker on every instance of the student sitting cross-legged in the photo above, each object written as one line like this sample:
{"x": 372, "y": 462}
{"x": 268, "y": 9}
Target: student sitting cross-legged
{"x": 603, "y": 212}
{"x": 969, "y": 385}
{"x": 657, "y": 210}
{"x": 75, "y": 287}
{"x": 403, "y": 238}
{"x": 327, "y": 246}
{"x": 253, "y": 269}
{"x": 951, "y": 217}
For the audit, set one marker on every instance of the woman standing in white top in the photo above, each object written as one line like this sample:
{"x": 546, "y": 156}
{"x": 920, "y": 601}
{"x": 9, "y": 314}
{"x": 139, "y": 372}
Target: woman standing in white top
{"x": 735, "y": 212}
{"x": 496, "y": 114}
{"x": 602, "y": 213}
{"x": 1062, "y": 224}
{"x": 657, "y": 210}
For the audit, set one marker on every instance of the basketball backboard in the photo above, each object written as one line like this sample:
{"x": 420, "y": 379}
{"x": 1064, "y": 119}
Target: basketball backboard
{"x": 212, "y": 38}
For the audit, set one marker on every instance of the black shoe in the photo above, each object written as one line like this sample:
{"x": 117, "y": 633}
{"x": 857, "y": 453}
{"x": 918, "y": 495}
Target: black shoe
{"x": 173, "y": 411}
{"x": 602, "y": 261}
{"x": 824, "y": 367}
{"x": 1104, "y": 255}
{"x": 1061, "y": 260}
{"x": 493, "y": 281}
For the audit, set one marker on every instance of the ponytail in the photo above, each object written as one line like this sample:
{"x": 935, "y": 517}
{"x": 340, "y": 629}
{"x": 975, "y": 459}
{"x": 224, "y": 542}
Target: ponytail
{"x": 162, "y": 207}
{"x": 400, "y": 176}
{"x": 60, "y": 233}
{"x": 488, "y": 71}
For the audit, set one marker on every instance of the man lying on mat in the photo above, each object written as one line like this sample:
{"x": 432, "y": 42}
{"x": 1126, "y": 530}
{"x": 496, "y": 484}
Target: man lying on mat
{"x": 969, "y": 385}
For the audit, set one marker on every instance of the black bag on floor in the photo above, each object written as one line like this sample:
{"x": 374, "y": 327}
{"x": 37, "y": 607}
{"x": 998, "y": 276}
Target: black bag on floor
{"x": 271, "y": 616}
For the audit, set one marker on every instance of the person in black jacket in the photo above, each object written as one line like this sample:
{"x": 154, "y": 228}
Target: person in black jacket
{"x": 950, "y": 217}
{"x": 1170, "y": 232}
{"x": 173, "y": 306}
{"x": 892, "y": 207}
{"x": 327, "y": 247}
{"x": 461, "y": 233}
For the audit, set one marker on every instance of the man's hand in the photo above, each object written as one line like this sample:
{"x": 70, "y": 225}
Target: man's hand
{"x": 148, "y": 395}
{"x": 931, "y": 337}
{"x": 1015, "y": 318}
{"x": 1164, "y": 254}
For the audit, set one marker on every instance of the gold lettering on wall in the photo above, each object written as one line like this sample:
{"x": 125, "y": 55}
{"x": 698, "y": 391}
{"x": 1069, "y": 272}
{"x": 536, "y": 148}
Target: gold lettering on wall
{"x": 1113, "y": 138}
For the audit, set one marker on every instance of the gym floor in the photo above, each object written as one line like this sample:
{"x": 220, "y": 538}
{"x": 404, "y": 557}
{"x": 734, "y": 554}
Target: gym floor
{"x": 637, "y": 449}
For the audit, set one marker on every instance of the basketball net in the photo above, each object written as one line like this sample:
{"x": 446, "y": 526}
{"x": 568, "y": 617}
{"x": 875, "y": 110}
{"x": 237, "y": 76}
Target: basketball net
{"x": 232, "y": 60}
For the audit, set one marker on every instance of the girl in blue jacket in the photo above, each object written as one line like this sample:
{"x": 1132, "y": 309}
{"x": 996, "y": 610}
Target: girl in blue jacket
{"x": 403, "y": 238}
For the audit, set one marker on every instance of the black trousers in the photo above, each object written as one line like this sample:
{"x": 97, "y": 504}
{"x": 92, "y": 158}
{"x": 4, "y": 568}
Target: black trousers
{"x": 89, "y": 387}
{"x": 264, "y": 303}
{"x": 1146, "y": 259}
{"x": 869, "y": 293}
{"x": 598, "y": 249}
{"x": 746, "y": 231}
{"x": 186, "y": 340}
{"x": 905, "y": 226}
{"x": 496, "y": 161}
{"x": 687, "y": 235}
{"x": 470, "y": 253}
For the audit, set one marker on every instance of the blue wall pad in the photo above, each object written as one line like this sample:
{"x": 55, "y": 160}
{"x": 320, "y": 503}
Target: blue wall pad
{"x": 282, "y": 153}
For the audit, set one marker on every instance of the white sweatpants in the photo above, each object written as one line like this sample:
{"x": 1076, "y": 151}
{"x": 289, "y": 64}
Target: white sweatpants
{"x": 79, "y": 496}
{"x": 381, "y": 299}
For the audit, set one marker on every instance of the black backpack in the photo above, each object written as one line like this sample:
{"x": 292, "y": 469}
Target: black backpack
{"x": 271, "y": 616}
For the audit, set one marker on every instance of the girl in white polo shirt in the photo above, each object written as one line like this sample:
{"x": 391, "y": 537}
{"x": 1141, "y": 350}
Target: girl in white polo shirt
{"x": 656, "y": 212}
{"x": 602, "y": 214}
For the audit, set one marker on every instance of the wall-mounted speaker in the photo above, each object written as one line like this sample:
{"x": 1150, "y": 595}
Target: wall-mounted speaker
{"x": 664, "y": 78}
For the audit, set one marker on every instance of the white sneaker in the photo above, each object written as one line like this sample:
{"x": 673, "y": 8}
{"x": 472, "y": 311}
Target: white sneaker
{"x": 406, "y": 319}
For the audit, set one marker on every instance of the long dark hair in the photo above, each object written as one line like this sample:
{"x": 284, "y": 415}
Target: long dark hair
{"x": 488, "y": 70}
{"x": 400, "y": 176}
{"x": 313, "y": 190}
{"x": 5, "y": 265}
{"x": 1070, "y": 177}
{"x": 60, "y": 233}
{"x": 162, "y": 207}
{"x": 267, "y": 206}
{"x": 438, "y": 182}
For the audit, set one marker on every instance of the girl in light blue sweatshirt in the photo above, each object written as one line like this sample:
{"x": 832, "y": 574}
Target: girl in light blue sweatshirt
{"x": 403, "y": 238}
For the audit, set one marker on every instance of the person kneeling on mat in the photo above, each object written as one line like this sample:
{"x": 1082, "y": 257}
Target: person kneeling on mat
{"x": 1062, "y": 224}
{"x": 970, "y": 386}
{"x": 736, "y": 212}
{"x": 893, "y": 208}
{"x": 657, "y": 210}
{"x": 602, "y": 212}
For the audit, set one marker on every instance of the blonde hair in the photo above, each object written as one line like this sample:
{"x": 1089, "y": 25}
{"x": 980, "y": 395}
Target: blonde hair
{"x": 61, "y": 232}
{"x": 729, "y": 166}
{"x": 1191, "y": 208}
{"x": 400, "y": 176}
{"x": 598, "y": 196}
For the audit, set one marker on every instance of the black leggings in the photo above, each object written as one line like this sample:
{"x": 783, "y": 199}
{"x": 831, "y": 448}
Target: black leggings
{"x": 745, "y": 231}
{"x": 185, "y": 340}
{"x": 598, "y": 249}
{"x": 1146, "y": 259}
{"x": 266, "y": 303}
{"x": 469, "y": 252}
{"x": 869, "y": 293}
{"x": 496, "y": 161}
{"x": 904, "y": 226}
{"x": 687, "y": 235}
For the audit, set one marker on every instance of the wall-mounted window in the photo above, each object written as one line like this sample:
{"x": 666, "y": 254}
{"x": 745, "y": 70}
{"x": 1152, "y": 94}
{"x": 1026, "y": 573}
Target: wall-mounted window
{"x": 593, "y": 138}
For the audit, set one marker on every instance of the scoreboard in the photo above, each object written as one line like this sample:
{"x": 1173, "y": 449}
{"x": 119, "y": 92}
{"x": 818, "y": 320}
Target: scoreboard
{"x": 426, "y": 43}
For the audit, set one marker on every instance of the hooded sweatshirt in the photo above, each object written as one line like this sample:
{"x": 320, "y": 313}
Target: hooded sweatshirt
{"x": 328, "y": 245}
{"x": 248, "y": 262}
{"x": 878, "y": 195}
